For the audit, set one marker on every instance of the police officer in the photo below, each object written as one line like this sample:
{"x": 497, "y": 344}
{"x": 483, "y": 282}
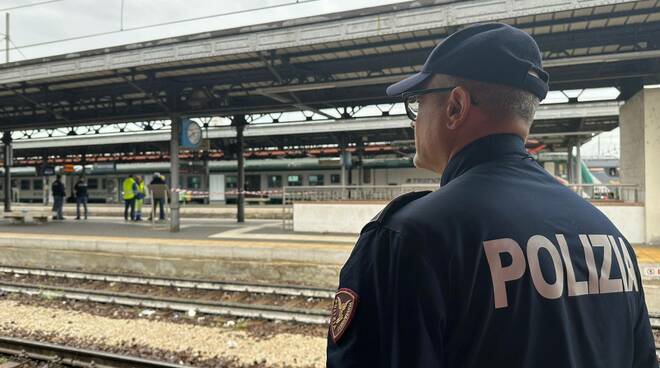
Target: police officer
{"x": 82, "y": 196}
{"x": 502, "y": 266}
{"x": 59, "y": 193}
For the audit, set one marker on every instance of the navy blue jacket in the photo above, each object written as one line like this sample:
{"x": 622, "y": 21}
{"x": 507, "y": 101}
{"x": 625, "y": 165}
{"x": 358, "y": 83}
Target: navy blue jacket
{"x": 58, "y": 189}
{"x": 503, "y": 266}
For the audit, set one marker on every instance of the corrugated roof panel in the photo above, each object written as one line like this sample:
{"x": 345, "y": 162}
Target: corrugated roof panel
{"x": 618, "y": 21}
{"x": 559, "y": 28}
{"x": 646, "y": 4}
{"x": 580, "y": 52}
{"x": 653, "y": 17}
{"x": 610, "y": 48}
{"x": 578, "y": 26}
{"x": 541, "y": 30}
{"x": 636, "y": 19}
{"x": 564, "y": 15}
{"x": 582, "y": 12}
{"x": 598, "y": 23}
{"x": 543, "y": 17}
{"x": 523, "y": 20}
{"x": 624, "y": 7}
{"x": 427, "y": 44}
{"x": 604, "y": 9}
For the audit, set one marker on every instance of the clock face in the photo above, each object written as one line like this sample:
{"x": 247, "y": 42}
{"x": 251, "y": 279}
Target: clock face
{"x": 194, "y": 133}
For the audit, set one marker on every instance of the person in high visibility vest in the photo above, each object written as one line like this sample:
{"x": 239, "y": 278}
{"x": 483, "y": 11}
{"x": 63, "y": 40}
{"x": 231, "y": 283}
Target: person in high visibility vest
{"x": 139, "y": 198}
{"x": 130, "y": 189}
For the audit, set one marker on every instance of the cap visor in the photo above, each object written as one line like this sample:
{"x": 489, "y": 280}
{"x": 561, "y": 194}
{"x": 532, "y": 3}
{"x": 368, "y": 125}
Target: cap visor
{"x": 408, "y": 84}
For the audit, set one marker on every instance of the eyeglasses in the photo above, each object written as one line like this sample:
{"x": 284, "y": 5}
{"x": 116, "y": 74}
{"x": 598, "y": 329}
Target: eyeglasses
{"x": 411, "y": 99}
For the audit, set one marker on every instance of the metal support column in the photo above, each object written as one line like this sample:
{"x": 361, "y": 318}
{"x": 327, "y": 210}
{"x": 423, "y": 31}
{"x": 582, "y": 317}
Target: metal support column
{"x": 174, "y": 173}
{"x": 6, "y": 140}
{"x": 570, "y": 164}
{"x": 239, "y": 122}
{"x": 578, "y": 162}
{"x": 342, "y": 161}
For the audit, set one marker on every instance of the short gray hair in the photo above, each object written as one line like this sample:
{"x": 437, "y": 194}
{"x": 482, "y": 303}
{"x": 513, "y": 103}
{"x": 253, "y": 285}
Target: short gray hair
{"x": 501, "y": 100}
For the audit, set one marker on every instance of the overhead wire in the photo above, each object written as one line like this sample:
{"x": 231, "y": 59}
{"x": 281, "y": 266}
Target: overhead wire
{"x": 295, "y": 2}
{"x": 30, "y": 5}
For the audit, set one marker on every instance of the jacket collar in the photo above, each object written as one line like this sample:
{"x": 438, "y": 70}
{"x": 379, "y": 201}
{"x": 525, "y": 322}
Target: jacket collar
{"x": 482, "y": 150}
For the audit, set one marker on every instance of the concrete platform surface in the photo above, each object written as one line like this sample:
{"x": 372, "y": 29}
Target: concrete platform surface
{"x": 210, "y": 248}
{"x": 187, "y": 210}
{"x": 220, "y": 249}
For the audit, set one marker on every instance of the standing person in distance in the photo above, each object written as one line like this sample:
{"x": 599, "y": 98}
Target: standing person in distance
{"x": 157, "y": 179}
{"x": 129, "y": 187}
{"x": 82, "y": 196}
{"x": 139, "y": 197}
{"x": 59, "y": 193}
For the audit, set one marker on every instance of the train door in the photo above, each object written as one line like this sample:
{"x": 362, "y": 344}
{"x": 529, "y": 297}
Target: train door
{"x": 253, "y": 183}
{"x": 111, "y": 185}
{"x": 217, "y": 188}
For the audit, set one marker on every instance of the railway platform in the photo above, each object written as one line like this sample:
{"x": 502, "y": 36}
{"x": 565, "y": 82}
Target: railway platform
{"x": 259, "y": 250}
{"x": 206, "y": 248}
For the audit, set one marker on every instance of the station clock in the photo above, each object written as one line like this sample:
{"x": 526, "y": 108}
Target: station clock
{"x": 191, "y": 134}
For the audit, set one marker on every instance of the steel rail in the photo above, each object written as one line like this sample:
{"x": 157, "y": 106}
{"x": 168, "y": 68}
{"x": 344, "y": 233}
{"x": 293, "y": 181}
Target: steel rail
{"x": 76, "y": 357}
{"x": 176, "y": 282}
{"x": 311, "y": 316}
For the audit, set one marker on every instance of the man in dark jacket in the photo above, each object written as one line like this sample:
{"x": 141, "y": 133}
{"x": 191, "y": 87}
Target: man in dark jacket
{"x": 502, "y": 266}
{"x": 82, "y": 196}
{"x": 160, "y": 201}
{"x": 58, "y": 197}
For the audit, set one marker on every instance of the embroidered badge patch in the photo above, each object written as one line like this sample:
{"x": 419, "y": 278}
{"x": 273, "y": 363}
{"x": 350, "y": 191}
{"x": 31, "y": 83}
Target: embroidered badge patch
{"x": 343, "y": 309}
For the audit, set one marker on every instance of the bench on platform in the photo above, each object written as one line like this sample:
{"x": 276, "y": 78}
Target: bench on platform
{"x": 25, "y": 216}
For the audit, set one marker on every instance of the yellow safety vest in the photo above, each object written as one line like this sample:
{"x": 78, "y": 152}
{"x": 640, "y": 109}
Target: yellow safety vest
{"x": 128, "y": 188}
{"x": 141, "y": 187}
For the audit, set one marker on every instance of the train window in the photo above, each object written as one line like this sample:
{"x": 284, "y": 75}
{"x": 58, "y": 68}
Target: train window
{"x": 366, "y": 176}
{"x": 315, "y": 179}
{"x": 38, "y": 184}
{"x": 274, "y": 181}
{"x": 335, "y": 179}
{"x": 613, "y": 171}
{"x": 25, "y": 184}
{"x": 232, "y": 182}
{"x": 194, "y": 182}
{"x": 294, "y": 180}
{"x": 93, "y": 183}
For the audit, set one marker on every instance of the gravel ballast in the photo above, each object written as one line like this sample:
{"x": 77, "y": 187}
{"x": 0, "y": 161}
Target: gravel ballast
{"x": 226, "y": 343}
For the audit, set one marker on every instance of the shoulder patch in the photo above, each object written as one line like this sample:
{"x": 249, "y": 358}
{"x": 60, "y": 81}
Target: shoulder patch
{"x": 394, "y": 205}
{"x": 343, "y": 310}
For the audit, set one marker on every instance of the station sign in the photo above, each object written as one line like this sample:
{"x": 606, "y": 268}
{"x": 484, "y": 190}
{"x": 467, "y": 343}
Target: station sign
{"x": 46, "y": 170}
{"x": 104, "y": 168}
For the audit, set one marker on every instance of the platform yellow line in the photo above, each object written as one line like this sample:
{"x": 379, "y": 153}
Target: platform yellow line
{"x": 647, "y": 254}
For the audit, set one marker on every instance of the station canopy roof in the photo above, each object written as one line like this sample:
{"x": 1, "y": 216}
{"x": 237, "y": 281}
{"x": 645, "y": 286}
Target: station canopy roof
{"x": 328, "y": 61}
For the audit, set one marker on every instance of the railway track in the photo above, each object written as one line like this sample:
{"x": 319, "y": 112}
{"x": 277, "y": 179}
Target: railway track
{"x": 315, "y": 316}
{"x": 75, "y": 357}
{"x": 176, "y": 282}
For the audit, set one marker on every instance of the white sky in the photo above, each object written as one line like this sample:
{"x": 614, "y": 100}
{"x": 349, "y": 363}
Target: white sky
{"x": 60, "y": 19}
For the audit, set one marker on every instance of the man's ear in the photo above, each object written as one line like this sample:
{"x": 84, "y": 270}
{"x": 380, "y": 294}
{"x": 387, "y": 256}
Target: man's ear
{"x": 458, "y": 107}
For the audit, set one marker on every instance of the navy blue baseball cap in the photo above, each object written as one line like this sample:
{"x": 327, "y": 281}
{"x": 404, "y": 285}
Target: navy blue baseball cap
{"x": 491, "y": 52}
